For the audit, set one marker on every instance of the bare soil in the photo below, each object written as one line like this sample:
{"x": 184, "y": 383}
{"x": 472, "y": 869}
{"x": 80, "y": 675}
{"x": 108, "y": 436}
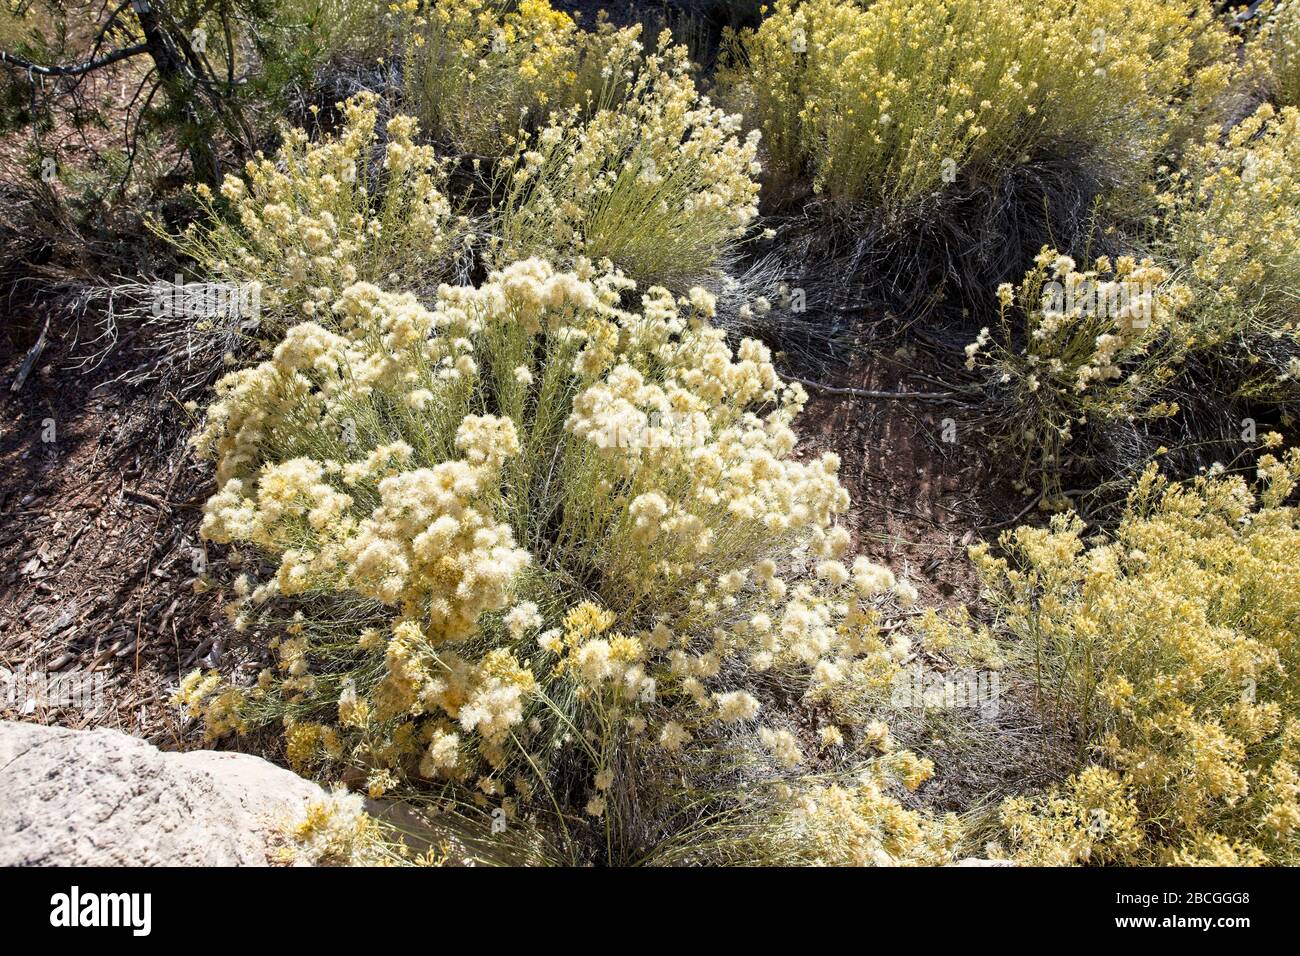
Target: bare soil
{"x": 99, "y": 509}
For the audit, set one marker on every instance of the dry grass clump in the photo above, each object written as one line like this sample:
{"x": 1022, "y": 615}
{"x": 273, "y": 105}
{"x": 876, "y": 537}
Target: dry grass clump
{"x": 1172, "y": 646}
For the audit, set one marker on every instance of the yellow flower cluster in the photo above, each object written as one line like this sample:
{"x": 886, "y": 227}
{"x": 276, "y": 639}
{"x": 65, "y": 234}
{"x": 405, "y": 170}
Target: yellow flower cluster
{"x": 202, "y": 695}
{"x": 1077, "y": 346}
{"x": 318, "y": 216}
{"x": 597, "y": 556}
{"x": 1173, "y": 647}
{"x": 844, "y": 823}
{"x": 889, "y": 102}
{"x": 1234, "y": 220}
{"x": 655, "y": 179}
{"x": 334, "y": 830}
{"x": 862, "y": 826}
{"x": 1279, "y": 42}
{"x": 479, "y": 72}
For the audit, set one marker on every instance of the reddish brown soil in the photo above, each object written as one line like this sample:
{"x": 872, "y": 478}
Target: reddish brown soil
{"x": 97, "y": 533}
{"x": 918, "y": 501}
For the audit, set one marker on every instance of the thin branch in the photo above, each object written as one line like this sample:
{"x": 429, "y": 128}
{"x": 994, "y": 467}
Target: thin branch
{"x": 869, "y": 393}
{"x": 77, "y": 69}
{"x": 1014, "y": 518}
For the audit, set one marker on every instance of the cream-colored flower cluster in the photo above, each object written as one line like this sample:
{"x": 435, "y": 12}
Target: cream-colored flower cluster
{"x": 656, "y": 179}
{"x": 333, "y": 830}
{"x": 1174, "y": 648}
{"x": 428, "y": 541}
{"x": 856, "y": 825}
{"x": 1075, "y": 346}
{"x": 320, "y": 216}
{"x": 891, "y": 103}
{"x": 496, "y": 573}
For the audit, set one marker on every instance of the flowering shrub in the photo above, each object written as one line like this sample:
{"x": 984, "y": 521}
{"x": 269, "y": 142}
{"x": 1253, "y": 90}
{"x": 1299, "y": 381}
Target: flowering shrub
{"x": 821, "y": 822}
{"x": 325, "y": 29}
{"x": 888, "y": 102}
{"x": 318, "y": 217}
{"x": 1075, "y": 347}
{"x": 1173, "y": 646}
{"x": 660, "y": 183}
{"x": 525, "y": 541}
{"x": 1234, "y": 220}
{"x": 1279, "y": 42}
{"x": 479, "y": 73}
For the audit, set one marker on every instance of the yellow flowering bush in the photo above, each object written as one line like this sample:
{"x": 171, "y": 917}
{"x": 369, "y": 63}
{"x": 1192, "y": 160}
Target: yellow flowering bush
{"x": 1172, "y": 647}
{"x": 479, "y": 72}
{"x": 1234, "y": 221}
{"x": 889, "y": 102}
{"x": 1075, "y": 347}
{"x": 326, "y": 29}
{"x": 660, "y": 182}
{"x": 319, "y": 216}
{"x": 1279, "y": 42}
{"x": 523, "y": 544}
{"x": 839, "y": 822}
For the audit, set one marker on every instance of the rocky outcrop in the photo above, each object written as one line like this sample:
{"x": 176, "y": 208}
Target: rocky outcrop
{"x": 102, "y": 798}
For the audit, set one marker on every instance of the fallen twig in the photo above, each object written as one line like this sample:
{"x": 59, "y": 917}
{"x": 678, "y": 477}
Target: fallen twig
{"x": 873, "y": 394}
{"x": 29, "y": 362}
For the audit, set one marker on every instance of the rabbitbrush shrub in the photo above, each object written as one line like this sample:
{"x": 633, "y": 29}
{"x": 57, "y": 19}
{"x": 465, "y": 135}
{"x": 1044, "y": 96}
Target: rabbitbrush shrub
{"x": 1234, "y": 223}
{"x": 525, "y": 546}
{"x": 1074, "y": 350}
{"x": 1278, "y": 42}
{"x": 656, "y": 179}
{"x": 888, "y": 103}
{"x": 479, "y": 72}
{"x": 320, "y": 216}
{"x": 1172, "y": 646}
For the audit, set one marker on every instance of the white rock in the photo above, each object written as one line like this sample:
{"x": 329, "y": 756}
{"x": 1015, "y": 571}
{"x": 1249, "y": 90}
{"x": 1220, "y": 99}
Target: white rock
{"x": 102, "y": 798}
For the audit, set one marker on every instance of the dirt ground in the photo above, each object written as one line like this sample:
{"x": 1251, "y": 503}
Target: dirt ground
{"x": 924, "y": 488}
{"x": 99, "y": 509}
